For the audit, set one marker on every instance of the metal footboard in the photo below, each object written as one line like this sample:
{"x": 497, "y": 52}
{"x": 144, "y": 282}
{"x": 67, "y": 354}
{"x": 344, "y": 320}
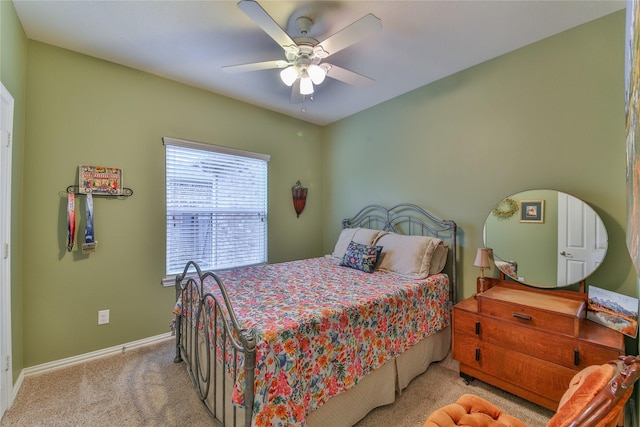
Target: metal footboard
{"x": 211, "y": 342}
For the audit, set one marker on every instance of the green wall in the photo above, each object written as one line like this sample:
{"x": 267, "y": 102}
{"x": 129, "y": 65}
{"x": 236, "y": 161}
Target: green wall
{"x": 549, "y": 115}
{"x": 13, "y": 75}
{"x": 81, "y": 110}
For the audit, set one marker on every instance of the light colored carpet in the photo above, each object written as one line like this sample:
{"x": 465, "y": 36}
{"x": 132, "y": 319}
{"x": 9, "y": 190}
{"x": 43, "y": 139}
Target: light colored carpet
{"x": 143, "y": 387}
{"x": 441, "y": 385}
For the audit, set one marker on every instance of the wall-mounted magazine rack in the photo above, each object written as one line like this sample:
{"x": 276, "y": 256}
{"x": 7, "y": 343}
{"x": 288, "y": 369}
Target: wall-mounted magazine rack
{"x": 75, "y": 189}
{"x": 100, "y": 181}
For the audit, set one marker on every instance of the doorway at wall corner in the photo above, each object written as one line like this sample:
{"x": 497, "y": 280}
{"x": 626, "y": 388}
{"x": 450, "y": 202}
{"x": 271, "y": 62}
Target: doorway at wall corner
{"x": 6, "y": 131}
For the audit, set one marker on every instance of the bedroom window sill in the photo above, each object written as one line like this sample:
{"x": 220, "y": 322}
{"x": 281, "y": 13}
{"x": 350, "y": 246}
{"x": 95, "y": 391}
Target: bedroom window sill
{"x": 168, "y": 282}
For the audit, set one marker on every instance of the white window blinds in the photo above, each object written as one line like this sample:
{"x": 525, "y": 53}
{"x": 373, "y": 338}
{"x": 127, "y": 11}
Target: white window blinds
{"x": 216, "y": 204}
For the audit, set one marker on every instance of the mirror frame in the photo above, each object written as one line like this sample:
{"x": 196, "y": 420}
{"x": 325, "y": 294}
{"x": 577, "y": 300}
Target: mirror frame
{"x": 527, "y": 250}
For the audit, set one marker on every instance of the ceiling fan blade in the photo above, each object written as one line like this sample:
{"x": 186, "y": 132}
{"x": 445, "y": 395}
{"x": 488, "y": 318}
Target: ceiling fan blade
{"x": 296, "y": 96}
{"x": 256, "y": 66}
{"x": 351, "y": 34}
{"x": 254, "y": 11}
{"x": 349, "y": 77}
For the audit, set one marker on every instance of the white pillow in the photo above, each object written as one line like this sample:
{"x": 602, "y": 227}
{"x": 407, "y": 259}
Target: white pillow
{"x": 364, "y": 236}
{"x": 411, "y": 256}
{"x": 439, "y": 258}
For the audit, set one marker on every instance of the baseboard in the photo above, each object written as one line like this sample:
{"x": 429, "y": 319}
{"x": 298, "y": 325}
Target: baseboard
{"x": 82, "y": 358}
{"x": 16, "y": 387}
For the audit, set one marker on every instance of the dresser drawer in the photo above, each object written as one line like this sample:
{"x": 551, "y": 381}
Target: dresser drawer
{"x": 594, "y": 354}
{"x": 538, "y": 376}
{"x": 558, "y": 349}
{"x": 566, "y": 351}
{"x": 547, "y": 312}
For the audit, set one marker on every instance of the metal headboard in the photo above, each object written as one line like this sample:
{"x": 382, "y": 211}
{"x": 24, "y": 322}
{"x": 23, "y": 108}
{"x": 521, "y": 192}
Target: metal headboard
{"x": 410, "y": 219}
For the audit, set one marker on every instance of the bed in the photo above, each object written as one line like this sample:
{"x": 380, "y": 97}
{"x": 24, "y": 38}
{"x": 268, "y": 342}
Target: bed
{"x": 321, "y": 341}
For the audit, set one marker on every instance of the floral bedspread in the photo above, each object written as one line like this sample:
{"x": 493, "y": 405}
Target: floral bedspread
{"x": 321, "y": 327}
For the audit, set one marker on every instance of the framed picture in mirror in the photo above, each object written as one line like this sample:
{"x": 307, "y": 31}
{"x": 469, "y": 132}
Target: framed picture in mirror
{"x": 532, "y": 211}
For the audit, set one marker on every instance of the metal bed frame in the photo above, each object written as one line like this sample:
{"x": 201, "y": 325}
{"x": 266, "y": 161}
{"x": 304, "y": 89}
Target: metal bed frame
{"x": 405, "y": 218}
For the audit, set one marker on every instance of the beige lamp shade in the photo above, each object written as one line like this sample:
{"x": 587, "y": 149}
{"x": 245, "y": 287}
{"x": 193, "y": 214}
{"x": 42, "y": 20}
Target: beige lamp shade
{"x": 483, "y": 258}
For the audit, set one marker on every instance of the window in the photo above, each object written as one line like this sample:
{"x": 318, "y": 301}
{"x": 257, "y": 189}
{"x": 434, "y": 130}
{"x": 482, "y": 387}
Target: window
{"x": 216, "y": 205}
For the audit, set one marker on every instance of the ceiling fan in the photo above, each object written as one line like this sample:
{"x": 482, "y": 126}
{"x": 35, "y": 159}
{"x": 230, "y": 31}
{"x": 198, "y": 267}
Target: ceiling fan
{"x": 303, "y": 66}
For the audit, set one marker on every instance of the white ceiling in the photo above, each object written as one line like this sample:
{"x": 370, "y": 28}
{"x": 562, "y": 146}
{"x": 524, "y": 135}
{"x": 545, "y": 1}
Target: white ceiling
{"x": 190, "y": 41}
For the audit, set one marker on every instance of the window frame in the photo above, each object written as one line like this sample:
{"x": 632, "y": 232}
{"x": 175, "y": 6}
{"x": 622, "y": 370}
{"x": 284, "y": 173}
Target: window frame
{"x": 169, "y": 279}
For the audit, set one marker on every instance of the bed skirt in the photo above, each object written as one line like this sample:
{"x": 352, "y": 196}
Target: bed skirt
{"x": 378, "y": 388}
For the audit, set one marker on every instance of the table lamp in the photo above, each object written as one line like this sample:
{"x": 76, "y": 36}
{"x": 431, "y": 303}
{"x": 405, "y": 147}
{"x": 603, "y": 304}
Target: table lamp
{"x": 483, "y": 260}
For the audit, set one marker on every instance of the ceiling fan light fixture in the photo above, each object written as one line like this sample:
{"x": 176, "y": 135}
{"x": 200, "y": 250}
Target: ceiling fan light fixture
{"x": 316, "y": 73}
{"x": 306, "y": 86}
{"x": 302, "y": 68}
{"x": 289, "y": 75}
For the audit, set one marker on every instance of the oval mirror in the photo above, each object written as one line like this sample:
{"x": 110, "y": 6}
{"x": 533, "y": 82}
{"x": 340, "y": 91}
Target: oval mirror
{"x": 545, "y": 238}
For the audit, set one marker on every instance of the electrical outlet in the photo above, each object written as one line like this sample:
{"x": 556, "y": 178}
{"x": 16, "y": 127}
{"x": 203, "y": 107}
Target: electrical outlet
{"x": 103, "y": 317}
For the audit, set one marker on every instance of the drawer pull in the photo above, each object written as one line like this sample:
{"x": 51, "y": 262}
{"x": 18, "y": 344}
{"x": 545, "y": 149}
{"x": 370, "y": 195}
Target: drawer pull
{"x": 522, "y": 316}
{"x": 477, "y": 354}
{"x": 576, "y": 357}
{"x": 477, "y": 328}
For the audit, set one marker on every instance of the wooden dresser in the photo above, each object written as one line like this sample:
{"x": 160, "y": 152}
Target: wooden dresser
{"x": 527, "y": 341}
